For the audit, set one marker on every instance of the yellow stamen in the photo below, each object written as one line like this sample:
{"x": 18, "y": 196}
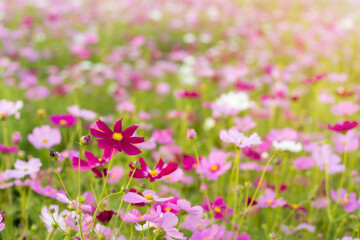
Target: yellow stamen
{"x": 194, "y": 165}
{"x": 269, "y": 202}
{"x": 100, "y": 159}
{"x": 117, "y": 136}
{"x": 206, "y": 238}
{"x": 62, "y": 122}
{"x": 214, "y": 168}
{"x": 149, "y": 197}
{"x": 26, "y": 169}
{"x": 141, "y": 218}
{"x": 65, "y": 155}
{"x": 45, "y": 141}
{"x": 153, "y": 172}
{"x": 345, "y": 200}
{"x": 167, "y": 209}
{"x": 217, "y": 210}
{"x": 167, "y": 177}
{"x": 2, "y": 115}
{"x": 199, "y": 226}
{"x": 294, "y": 206}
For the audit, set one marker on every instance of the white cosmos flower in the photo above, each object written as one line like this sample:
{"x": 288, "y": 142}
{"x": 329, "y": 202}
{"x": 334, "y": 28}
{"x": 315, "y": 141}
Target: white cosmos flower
{"x": 287, "y": 145}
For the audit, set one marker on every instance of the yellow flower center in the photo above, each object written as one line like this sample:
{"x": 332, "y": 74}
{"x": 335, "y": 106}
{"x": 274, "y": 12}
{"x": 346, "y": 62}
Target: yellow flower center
{"x": 206, "y": 238}
{"x": 269, "y": 202}
{"x": 214, "y": 168}
{"x": 114, "y": 176}
{"x": 45, "y": 141}
{"x": 149, "y": 197}
{"x": 117, "y": 136}
{"x": 345, "y": 200}
{"x": 26, "y": 169}
{"x": 2, "y": 115}
{"x": 40, "y": 112}
{"x": 194, "y": 165}
{"x": 217, "y": 210}
{"x": 167, "y": 177}
{"x": 62, "y": 122}
{"x": 167, "y": 209}
{"x": 65, "y": 155}
{"x": 199, "y": 226}
{"x": 294, "y": 206}
{"x": 99, "y": 159}
{"x": 153, "y": 172}
{"x": 141, "y": 218}
{"x": 3, "y": 183}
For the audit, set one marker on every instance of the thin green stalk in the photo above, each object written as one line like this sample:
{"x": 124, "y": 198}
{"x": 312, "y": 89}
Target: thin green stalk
{"x": 202, "y": 180}
{"x": 257, "y": 189}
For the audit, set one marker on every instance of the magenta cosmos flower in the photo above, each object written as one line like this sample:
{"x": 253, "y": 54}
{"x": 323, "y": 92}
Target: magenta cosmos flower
{"x": 158, "y": 172}
{"x": 343, "y": 126}
{"x": 149, "y": 196}
{"x": 63, "y": 120}
{"x": 118, "y": 139}
{"x": 218, "y": 207}
{"x": 93, "y": 163}
{"x": 44, "y": 137}
{"x": 7, "y": 150}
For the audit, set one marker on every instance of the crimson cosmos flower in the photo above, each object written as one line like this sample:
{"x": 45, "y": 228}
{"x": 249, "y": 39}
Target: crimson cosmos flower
{"x": 118, "y": 139}
{"x": 343, "y": 126}
{"x": 159, "y": 171}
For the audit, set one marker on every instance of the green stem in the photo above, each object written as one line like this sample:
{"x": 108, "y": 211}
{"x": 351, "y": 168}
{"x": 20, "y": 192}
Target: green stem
{"x": 79, "y": 186}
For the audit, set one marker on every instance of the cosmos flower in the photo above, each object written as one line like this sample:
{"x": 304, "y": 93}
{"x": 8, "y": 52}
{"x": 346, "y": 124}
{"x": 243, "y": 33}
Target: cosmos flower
{"x": 118, "y": 139}
{"x": 344, "y": 108}
{"x": 8, "y": 150}
{"x": 343, "y": 126}
{"x": 48, "y": 220}
{"x": 2, "y": 224}
{"x": 286, "y": 145}
{"x": 135, "y": 216}
{"x": 185, "y": 206}
{"x": 214, "y": 166}
{"x": 218, "y": 207}
{"x": 23, "y": 168}
{"x": 349, "y": 201}
{"x": 44, "y": 137}
{"x": 158, "y": 172}
{"x": 63, "y": 120}
{"x": 148, "y": 196}
{"x": 167, "y": 226}
{"x": 8, "y": 108}
{"x": 81, "y": 113}
{"x": 269, "y": 200}
{"x": 238, "y": 138}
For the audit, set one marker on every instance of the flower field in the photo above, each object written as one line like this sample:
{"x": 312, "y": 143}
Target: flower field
{"x": 179, "y": 119}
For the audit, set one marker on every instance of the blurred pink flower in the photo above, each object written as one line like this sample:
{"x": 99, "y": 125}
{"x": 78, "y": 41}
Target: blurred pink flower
{"x": 234, "y": 136}
{"x": 344, "y": 108}
{"x": 23, "y": 168}
{"x": 44, "y": 137}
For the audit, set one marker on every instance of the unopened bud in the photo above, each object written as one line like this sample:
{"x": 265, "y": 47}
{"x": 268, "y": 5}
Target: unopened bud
{"x": 51, "y": 210}
{"x": 190, "y": 133}
{"x": 53, "y": 155}
{"x": 85, "y": 140}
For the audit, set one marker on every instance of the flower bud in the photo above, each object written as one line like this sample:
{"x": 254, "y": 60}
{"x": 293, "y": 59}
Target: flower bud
{"x": 51, "y": 210}
{"x": 16, "y": 137}
{"x": 85, "y": 140}
{"x": 136, "y": 165}
{"x": 54, "y": 155}
{"x": 190, "y": 133}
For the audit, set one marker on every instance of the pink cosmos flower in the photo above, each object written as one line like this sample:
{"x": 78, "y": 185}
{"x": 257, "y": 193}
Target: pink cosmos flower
{"x": 148, "y": 196}
{"x": 214, "y": 166}
{"x": 344, "y": 108}
{"x": 68, "y": 154}
{"x": 158, "y": 172}
{"x": 279, "y": 135}
{"x": 326, "y": 159}
{"x": 48, "y": 220}
{"x": 184, "y": 205}
{"x": 118, "y": 139}
{"x": 16, "y": 137}
{"x": 8, "y": 108}
{"x": 234, "y": 136}
{"x": 46, "y": 191}
{"x": 115, "y": 174}
{"x": 135, "y": 216}
{"x": 2, "y": 224}
{"x": 343, "y": 126}
{"x": 194, "y": 223}
{"x": 320, "y": 203}
{"x": 81, "y": 113}
{"x": 244, "y": 124}
{"x": 348, "y": 141}
{"x": 163, "y": 136}
{"x": 23, "y": 168}
{"x": 348, "y": 201}
{"x": 187, "y": 94}
{"x": 8, "y": 150}
{"x": 63, "y": 120}
{"x": 44, "y": 137}
{"x": 218, "y": 207}
{"x": 269, "y": 200}
{"x": 303, "y": 163}
{"x": 167, "y": 226}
